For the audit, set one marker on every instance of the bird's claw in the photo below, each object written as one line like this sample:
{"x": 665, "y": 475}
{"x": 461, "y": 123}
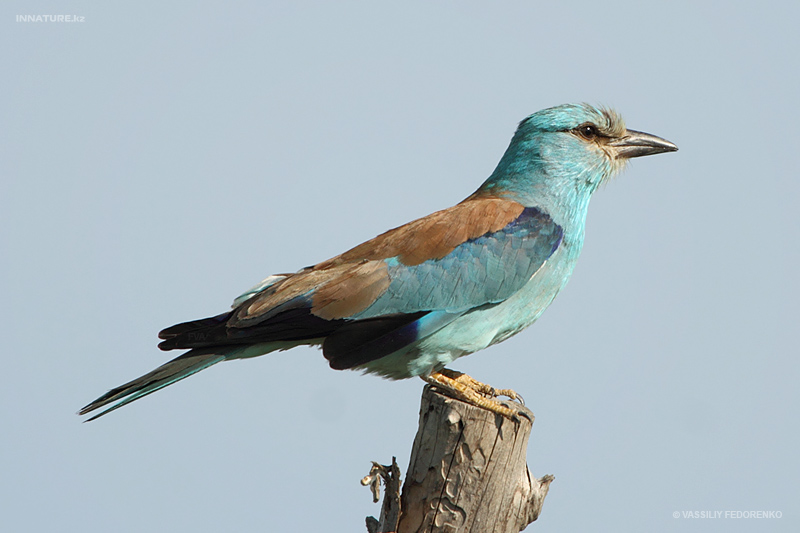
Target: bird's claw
{"x": 508, "y": 393}
{"x": 467, "y": 388}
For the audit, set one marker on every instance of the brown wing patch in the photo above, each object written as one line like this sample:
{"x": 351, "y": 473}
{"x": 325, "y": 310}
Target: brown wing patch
{"x": 349, "y": 283}
{"x": 352, "y": 291}
{"x": 264, "y": 305}
{"x": 435, "y": 235}
{"x": 339, "y": 291}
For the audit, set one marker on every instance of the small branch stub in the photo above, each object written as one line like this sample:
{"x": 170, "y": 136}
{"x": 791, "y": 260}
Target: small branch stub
{"x": 390, "y": 510}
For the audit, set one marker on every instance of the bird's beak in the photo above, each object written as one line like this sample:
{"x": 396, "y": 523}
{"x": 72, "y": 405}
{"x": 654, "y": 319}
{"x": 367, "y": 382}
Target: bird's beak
{"x": 637, "y": 144}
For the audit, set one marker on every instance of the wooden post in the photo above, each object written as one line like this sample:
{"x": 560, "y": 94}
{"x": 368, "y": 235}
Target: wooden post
{"x": 467, "y": 473}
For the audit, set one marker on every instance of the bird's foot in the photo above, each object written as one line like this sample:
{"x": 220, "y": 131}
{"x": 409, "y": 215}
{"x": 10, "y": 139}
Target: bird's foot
{"x": 480, "y": 387}
{"x": 472, "y": 391}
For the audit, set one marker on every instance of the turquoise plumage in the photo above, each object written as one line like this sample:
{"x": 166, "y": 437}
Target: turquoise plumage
{"x": 417, "y": 297}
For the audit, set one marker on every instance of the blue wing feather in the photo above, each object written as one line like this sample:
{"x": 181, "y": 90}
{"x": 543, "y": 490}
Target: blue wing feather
{"x": 485, "y": 270}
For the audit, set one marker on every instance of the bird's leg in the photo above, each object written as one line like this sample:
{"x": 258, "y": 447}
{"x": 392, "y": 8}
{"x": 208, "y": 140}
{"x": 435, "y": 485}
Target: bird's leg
{"x": 473, "y": 391}
{"x": 480, "y": 387}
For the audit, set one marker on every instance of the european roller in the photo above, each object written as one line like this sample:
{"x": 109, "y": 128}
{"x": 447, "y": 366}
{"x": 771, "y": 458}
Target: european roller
{"x": 416, "y": 298}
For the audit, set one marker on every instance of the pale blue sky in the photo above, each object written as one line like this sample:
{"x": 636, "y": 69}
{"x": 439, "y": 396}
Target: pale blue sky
{"x": 157, "y": 160}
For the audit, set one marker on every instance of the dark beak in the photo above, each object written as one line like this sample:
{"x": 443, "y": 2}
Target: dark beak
{"x": 637, "y": 144}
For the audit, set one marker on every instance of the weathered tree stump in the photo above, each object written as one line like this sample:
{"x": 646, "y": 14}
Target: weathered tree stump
{"x": 467, "y": 472}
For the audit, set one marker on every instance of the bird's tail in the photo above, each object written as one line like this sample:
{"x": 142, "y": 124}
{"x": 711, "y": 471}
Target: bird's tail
{"x": 181, "y": 367}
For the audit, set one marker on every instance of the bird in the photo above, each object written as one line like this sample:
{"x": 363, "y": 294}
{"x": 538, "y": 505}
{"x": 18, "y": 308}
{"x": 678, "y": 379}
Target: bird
{"x": 417, "y": 297}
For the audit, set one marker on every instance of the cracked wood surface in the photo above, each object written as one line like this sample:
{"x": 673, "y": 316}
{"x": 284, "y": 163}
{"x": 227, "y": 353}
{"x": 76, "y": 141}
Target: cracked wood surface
{"x": 468, "y": 471}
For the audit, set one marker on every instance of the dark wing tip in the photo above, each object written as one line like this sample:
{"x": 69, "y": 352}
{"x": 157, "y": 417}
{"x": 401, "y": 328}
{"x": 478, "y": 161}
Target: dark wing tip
{"x": 194, "y": 325}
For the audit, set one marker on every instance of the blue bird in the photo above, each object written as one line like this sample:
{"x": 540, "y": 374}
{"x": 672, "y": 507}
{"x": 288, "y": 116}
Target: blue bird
{"x": 417, "y": 297}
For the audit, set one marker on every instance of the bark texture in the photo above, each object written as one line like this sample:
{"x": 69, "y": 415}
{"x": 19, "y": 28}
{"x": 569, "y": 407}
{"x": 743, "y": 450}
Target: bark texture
{"x": 468, "y": 472}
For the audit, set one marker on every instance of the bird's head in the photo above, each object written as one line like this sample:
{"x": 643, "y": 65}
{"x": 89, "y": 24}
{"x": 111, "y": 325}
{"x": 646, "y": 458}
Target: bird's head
{"x": 559, "y": 156}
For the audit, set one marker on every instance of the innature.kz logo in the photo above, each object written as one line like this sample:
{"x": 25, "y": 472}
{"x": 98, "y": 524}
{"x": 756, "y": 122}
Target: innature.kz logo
{"x": 50, "y": 18}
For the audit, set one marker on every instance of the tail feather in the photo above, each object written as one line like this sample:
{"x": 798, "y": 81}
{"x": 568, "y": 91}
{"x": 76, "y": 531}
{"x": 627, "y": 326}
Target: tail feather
{"x": 179, "y": 368}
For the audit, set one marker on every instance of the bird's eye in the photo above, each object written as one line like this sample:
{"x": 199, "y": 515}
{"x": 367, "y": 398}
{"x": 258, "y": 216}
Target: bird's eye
{"x": 587, "y": 131}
